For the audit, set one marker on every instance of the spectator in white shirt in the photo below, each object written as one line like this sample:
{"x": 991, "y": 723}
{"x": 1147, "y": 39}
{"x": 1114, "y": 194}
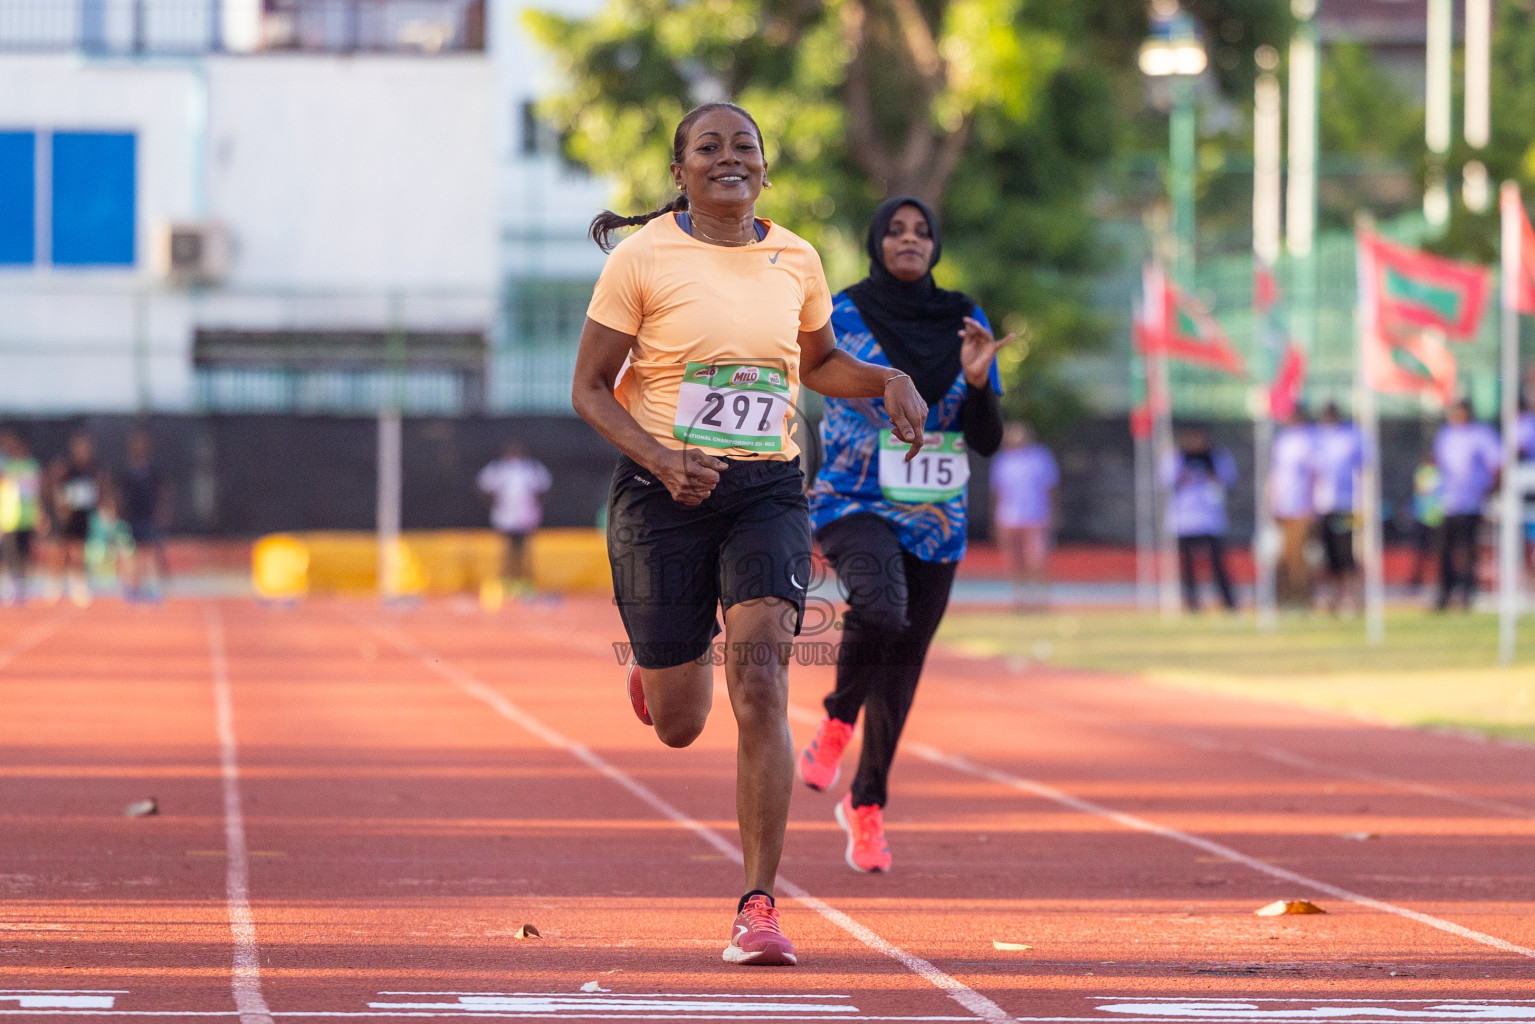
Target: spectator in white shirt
{"x": 512, "y": 484}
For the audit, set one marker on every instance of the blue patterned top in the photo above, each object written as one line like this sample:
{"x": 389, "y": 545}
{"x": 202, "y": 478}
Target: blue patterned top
{"x": 848, "y": 480}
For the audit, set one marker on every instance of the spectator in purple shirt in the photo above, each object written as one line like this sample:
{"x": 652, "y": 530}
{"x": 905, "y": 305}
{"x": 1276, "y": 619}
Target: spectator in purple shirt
{"x": 1339, "y": 456}
{"x": 1023, "y": 480}
{"x": 1197, "y": 476}
{"x": 1291, "y": 497}
{"x": 1469, "y": 457}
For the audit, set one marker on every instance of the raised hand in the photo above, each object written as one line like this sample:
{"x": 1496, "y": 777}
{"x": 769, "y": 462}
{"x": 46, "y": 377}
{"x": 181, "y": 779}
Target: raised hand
{"x": 977, "y": 349}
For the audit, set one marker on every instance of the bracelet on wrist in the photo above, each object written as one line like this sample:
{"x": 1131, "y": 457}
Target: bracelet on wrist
{"x": 892, "y": 380}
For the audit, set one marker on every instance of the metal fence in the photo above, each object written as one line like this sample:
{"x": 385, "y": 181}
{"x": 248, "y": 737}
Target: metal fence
{"x": 187, "y": 27}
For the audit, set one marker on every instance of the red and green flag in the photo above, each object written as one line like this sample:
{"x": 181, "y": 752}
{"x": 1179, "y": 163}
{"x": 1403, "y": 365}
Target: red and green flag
{"x": 1289, "y": 381}
{"x": 1518, "y": 254}
{"x": 1178, "y": 326}
{"x": 1416, "y": 290}
{"x": 1403, "y": 354}
{"x": 1414, "y": 364}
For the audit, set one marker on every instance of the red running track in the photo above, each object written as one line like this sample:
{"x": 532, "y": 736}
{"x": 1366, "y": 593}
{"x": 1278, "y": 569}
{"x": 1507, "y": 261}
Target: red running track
{"x": 359, "y": 808}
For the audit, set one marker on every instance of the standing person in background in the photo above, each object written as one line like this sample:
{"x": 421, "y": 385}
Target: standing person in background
{"x": 1291, "y": 489}
{"x": 79, "y": 491}
{"x": 1339, "y": 459}
{"x": 21, "y": 511}
{"x": 144, "y": 498}
{"x": 894, "y": 530}
{"x": 513, "y": 484}
{"x": 1427, "y": 516}
{"x": 1023, "y": 480}
{"x": 1197, "y": 477}
{"x": 1470, "y": 459}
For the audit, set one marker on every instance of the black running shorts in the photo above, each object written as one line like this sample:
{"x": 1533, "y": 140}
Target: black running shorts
{"x": 674, "y": 565}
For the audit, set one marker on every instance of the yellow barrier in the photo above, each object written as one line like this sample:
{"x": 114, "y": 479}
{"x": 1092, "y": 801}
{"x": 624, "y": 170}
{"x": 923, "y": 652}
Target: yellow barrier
{"x": 289, "y": 565}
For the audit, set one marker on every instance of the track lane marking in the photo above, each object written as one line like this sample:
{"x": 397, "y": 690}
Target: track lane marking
{"x": 245, "y": 980}
{"x": 964, "y": 765}
{"x": 33, "y": 636}
{"x": 955, "y": 989}
{"x": 1278, "y": 754}
{"x": 1189, "y": 739}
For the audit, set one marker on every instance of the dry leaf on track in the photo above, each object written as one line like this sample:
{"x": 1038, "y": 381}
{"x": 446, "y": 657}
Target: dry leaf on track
{"x": 1289, "y": 907}
{"x": 1008, "y": 946}
{"x": 142, "y": 808}
{"x": 527, "y": 931}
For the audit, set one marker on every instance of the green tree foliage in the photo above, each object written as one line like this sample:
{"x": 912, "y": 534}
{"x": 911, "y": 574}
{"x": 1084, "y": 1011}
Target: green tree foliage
{"x": 1510, "y": 152}
{"x": 1002, "y": 113}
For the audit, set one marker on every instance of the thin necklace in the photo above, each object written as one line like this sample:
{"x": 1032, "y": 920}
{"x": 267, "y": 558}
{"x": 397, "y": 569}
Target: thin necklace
{"x": 720, "y": 241}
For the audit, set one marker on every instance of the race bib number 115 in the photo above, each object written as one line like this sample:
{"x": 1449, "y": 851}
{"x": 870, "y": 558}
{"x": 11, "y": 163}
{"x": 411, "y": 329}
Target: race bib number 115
{"x": 938, "y": 473}
{"x": 732, "y": 406}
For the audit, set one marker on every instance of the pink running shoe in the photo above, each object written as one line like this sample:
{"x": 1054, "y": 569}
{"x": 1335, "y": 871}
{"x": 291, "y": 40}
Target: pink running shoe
{"x": 867, "y": 850}
{"x": 756, "y": 938}
{"x": 821, "y": 761}
{"x": 637, "y": 695}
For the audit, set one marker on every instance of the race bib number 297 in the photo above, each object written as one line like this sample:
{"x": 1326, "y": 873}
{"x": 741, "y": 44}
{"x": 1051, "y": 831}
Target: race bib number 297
{"x": 732, "y": 406}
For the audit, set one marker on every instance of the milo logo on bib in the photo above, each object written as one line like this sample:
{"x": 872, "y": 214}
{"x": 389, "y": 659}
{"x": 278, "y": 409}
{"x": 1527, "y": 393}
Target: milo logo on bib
{"x": 737, "y": 405}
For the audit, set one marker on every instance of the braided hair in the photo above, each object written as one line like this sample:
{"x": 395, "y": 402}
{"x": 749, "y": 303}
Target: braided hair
{"x": 607, "y": 222}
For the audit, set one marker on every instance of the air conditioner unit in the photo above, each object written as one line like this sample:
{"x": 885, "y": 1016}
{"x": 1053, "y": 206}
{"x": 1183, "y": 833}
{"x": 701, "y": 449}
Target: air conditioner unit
{"x": 193, "y": 252}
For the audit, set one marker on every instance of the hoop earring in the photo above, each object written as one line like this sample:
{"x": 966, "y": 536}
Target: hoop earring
{"x": 766, "y": 184}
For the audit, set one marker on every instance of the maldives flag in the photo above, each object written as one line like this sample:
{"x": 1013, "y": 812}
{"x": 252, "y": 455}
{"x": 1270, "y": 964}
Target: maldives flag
{"x": 1143, "y": 415}
{"x": 1403, "y": 358}
{"x": 1284, "y": 393}
{"x": 1414, "y": 364}
{"x": 1415, "y": 289}
{"x": 1518, "y": 253}
{"x": 1179, "y": 327}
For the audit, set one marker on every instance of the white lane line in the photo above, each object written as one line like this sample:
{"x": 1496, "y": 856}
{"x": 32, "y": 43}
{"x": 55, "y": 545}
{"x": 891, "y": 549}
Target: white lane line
{"x": 250, "y": 1004}
{"x": 32, "y": 637}
{"x": 955, "y": 989}
{"x": 962, "y": 764}
{"x": 1278, "y": 754}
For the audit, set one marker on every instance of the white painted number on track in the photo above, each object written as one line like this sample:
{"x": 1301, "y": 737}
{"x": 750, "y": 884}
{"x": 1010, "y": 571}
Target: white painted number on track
{"x": 1428, "y": 1011}
{"x": 61, "y": 999}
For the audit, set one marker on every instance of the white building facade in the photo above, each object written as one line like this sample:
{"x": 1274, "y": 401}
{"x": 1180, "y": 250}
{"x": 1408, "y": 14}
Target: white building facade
{"x": 278, "y": 205}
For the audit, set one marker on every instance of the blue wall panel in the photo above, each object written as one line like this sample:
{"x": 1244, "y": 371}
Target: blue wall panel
{"x": 93, "y": 198}
{"x": 18, "y": 198}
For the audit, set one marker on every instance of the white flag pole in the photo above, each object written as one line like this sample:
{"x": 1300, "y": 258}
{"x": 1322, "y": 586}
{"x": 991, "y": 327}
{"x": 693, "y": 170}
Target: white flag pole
{"x": 1511, "y": 209}
{"x": 1162, "y": 441}
{"x": 1371, "y": 541}
{"x": 1267, "y": 103}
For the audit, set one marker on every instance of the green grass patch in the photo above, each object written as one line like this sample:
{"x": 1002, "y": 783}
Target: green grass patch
{"x": 1437, "y": 671}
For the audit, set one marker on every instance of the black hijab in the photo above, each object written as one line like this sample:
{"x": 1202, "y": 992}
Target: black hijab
{"x": 917, "y": 323}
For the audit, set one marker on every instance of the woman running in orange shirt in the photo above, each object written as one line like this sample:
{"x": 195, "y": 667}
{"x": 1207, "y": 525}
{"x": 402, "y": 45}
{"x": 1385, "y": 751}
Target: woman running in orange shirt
{"x": 709, "y": 318}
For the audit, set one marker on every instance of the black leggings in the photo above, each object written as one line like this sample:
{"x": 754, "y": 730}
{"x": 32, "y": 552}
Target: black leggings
{"x": 895, "y": 602}
{"x": 1457, "y": 559}
{"x": 1217, "y": 548}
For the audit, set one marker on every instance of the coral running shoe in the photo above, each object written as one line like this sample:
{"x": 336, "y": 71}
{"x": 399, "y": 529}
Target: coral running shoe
{"x": 637, "y": 695}
{"x": 756, "y": 939}
{"x": 821, "y": 761}
{"x": 867, "y": 850}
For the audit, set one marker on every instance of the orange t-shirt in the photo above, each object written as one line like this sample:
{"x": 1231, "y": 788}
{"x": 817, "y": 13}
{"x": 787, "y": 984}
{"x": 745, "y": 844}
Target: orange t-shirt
{"x": 715, "y": 363}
